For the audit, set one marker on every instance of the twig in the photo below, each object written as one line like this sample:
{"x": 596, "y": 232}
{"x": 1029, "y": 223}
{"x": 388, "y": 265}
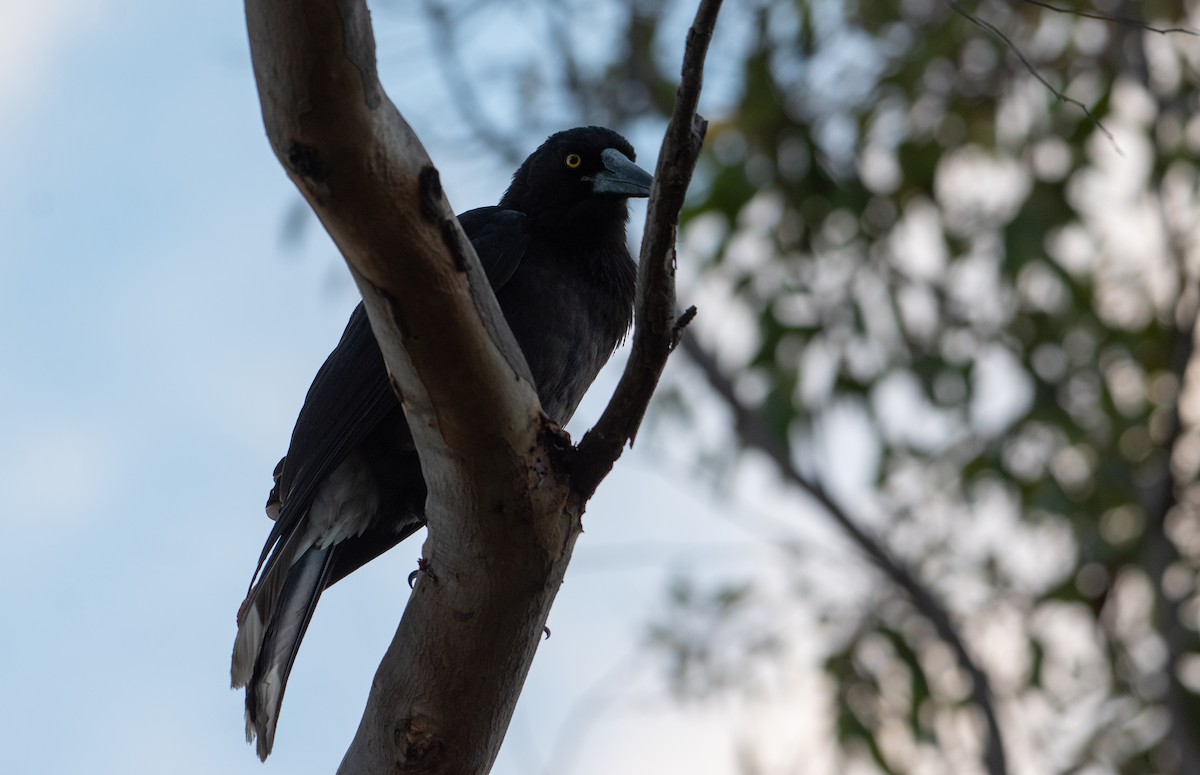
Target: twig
{"x": 1127, "y": 21}
{"x": 754, "y": 431}
{"x": 655, "y": 309}
{"x": 1032, "y": 68}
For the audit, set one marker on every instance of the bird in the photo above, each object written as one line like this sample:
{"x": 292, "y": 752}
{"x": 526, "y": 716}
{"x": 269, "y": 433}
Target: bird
{"x": 350, "y": 488}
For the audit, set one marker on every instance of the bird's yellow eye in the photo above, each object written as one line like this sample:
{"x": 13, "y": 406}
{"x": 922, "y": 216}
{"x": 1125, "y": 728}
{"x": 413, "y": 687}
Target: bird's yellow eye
{"x": 574, "y": 160}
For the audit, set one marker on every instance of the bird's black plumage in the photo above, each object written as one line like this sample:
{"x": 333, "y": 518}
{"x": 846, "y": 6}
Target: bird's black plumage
{"x": 350, "y": 486}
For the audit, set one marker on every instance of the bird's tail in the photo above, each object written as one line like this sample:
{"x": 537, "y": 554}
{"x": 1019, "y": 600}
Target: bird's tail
{"x": 271, "y": 625}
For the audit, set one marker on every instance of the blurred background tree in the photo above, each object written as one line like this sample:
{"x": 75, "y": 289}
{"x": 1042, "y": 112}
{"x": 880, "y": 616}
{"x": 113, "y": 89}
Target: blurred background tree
{"x": 945, "y": 255}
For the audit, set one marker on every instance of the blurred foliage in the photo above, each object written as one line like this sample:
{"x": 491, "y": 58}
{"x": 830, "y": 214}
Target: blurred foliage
{"x": 907, "y": 216}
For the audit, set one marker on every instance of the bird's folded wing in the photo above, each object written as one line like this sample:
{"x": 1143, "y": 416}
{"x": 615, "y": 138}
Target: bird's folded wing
{"x": 348, "y": 398}
{"x": 500, "y": 237}
{"x": 351, "y": 395}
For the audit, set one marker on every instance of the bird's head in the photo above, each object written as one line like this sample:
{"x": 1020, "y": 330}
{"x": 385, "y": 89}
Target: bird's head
{"x": 578, "y": 181}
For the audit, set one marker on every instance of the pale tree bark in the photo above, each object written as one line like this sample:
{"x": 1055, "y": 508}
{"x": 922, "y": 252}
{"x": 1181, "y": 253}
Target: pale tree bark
{"x": 506, "y": 488}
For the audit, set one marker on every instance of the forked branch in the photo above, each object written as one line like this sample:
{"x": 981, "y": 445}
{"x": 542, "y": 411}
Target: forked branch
{"x": 503, "y": 508}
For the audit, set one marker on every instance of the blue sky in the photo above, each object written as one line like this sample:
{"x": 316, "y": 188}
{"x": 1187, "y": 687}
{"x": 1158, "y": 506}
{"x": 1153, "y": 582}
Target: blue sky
{"x": 156, "y": 339}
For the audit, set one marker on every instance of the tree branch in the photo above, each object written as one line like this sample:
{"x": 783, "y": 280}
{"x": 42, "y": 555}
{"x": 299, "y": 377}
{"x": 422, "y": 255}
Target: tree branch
{"x": 1160, "y": 551}
{"x": 503, "y": 508}
{"x": 1127, "y": 21}
{"x": 655, "y": 331}
{"x": 1031, "y": 68}
{"x": 501, "y": 531}
{"x": 753, "y": 430}
{"x": 1161, "y": 498}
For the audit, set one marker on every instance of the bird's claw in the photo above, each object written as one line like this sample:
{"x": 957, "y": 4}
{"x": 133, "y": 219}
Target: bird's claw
{"x": 423, "y": 566}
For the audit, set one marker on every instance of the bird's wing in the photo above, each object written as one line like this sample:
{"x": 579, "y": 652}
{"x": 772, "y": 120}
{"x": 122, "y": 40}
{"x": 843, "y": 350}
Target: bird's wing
{"x": 500, "y": 237}
{"x": 351, "y": 395}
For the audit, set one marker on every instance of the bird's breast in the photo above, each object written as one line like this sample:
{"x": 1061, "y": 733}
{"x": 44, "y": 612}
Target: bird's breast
{"x": 567, "y": 320}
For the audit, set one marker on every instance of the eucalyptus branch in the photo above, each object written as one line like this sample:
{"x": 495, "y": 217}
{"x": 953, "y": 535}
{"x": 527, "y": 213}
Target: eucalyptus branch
{"x": 754, "y": 431}
{"x": 655, "y": 328}
{"x": 1162, "y": 499}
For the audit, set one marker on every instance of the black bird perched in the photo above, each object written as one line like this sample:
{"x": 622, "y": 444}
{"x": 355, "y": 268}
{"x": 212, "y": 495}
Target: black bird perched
{"x": 350, "y": 487}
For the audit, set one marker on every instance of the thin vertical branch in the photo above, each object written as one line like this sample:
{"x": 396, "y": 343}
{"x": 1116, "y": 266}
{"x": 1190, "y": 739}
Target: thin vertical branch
{"x": 1161, "y": 498}
{"x": 1161, "y": 552}
{"x": 655, "y": 328}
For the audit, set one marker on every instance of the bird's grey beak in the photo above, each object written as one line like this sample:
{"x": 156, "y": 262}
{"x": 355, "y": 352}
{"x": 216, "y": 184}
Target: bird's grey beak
{"x": 620, "y": 176}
